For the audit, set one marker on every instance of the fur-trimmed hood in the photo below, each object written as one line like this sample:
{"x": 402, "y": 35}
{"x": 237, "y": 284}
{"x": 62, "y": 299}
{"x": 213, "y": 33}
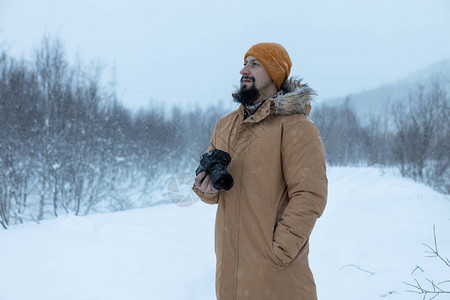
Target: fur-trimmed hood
{"x": 294, "y": 97}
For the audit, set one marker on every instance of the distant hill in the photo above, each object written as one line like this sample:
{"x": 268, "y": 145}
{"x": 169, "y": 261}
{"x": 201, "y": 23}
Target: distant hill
{"x": 376, "y": 101}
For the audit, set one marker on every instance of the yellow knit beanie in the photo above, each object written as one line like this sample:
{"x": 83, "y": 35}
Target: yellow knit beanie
{"x": 275, "y": 60}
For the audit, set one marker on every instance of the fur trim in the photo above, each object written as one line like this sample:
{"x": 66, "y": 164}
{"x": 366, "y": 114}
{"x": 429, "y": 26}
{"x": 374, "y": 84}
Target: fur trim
{"x": 294, "y": 97}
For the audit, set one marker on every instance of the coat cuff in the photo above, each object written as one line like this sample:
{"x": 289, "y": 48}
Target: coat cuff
{"x": 206, "y": 197}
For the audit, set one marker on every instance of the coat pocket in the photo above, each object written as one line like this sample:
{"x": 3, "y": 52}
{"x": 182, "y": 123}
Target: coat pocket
{"x": 281, "y": 258}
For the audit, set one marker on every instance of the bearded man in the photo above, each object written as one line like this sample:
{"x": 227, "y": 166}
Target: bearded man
{"x": 264, "y": 221}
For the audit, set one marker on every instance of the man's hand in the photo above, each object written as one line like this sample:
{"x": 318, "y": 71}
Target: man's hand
{"x": 206, "y": 185}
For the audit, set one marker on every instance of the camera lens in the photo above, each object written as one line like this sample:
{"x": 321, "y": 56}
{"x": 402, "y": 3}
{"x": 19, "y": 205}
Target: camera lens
{"x": 225, "y": 181}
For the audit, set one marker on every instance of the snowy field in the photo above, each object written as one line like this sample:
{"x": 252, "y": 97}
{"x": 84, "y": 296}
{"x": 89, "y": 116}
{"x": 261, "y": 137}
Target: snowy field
{"x": 367, "y": 243}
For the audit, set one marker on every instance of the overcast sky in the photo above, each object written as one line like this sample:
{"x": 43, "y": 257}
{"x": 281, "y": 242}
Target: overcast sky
{"x": 180, "y": 51}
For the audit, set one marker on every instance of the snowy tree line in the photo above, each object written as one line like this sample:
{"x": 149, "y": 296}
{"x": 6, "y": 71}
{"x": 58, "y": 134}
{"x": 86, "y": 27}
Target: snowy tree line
{"x": 412, "y": 135}
{"x": 68, "y": 146}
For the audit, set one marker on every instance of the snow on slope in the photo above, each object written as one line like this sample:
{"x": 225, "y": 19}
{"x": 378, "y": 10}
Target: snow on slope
{"x": 378, "y": 222}
{"x": 375, "y": 221}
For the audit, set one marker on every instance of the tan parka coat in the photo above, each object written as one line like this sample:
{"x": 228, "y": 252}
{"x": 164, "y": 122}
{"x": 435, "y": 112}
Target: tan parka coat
{"x": 264, "y": 222}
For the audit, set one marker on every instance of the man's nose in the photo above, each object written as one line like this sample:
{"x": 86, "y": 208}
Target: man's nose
{"x": 244, "y": 71}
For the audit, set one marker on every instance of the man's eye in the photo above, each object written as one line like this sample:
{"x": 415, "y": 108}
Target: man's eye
{"x": 252, "y": 64}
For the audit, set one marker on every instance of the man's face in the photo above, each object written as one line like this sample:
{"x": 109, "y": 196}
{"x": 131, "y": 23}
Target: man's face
{"x": 254, "y": 74}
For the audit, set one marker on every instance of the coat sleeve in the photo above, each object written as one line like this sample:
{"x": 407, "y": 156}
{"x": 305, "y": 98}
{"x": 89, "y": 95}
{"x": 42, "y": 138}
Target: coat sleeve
{"x": 207, "y": 197}
{"x": 303, "y": 163}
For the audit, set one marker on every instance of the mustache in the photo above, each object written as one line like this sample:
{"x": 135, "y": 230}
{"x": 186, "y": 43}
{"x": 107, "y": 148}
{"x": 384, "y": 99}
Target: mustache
{"x": 248, "y": 77}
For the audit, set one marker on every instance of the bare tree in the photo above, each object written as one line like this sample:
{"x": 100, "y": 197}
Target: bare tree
{"x": 422, "y": 131}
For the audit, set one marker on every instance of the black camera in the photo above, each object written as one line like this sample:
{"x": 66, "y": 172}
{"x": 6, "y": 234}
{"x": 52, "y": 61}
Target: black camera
{"x": 214, "y": 163}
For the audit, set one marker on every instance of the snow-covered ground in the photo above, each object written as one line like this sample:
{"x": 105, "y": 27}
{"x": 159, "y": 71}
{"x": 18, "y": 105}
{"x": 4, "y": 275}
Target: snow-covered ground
{"x": 367, "y": 243}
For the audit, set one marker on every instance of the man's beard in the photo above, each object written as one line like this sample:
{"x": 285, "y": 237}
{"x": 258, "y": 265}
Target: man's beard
{"x": 246, "y": 95}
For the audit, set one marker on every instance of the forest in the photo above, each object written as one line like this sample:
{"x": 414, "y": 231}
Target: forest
{"x": 68, "y": 146}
